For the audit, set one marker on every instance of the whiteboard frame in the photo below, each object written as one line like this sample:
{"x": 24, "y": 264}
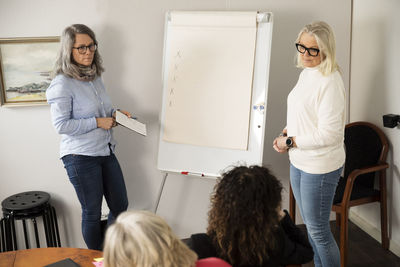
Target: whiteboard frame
{"x": 178, "y": 158}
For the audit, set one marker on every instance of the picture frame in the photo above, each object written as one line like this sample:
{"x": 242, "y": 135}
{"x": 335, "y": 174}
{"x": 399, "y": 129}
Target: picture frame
{"x": 25, "y": 69}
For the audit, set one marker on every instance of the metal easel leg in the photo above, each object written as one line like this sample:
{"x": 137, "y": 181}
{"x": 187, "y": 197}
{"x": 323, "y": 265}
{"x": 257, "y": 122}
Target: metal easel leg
{"x": 160, "y": 192}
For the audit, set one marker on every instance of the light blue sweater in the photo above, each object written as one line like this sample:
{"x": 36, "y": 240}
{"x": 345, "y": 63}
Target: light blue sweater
{"x": 75, "y": 105}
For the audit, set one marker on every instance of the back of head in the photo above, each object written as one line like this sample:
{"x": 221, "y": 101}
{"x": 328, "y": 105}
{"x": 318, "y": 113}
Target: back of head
{"x": 325, "y": 38}
{"x": 143, "y": 239}
{"x": 65, "y": 63}
{"x": 244, "y": 215}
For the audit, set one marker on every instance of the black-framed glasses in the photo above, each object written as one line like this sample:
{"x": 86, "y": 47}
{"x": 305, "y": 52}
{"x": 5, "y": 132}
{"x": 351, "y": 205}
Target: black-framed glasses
{"x": 82, "y": 49}
{"x": 311, "y": 51}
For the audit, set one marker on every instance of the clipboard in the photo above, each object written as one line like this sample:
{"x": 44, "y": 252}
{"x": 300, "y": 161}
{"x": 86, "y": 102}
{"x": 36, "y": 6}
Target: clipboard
{"x": 130, "y": 123}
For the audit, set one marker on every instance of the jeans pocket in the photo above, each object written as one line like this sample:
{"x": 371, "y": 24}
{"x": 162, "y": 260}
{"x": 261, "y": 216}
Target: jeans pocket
{"x": 72, "y": 174}
{"x": 75, "y": 178}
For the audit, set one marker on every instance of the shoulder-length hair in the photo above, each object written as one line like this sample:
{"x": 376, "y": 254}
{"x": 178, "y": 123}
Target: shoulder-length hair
{"x": 244, "y": 217}
{"x": 325, "y": 38}
{"x": 65, "y": 63}
{"x": 143, "y": 239}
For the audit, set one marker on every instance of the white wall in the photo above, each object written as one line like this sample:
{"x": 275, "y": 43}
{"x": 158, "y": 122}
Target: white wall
{"x": 375, "y": 91}
{"x": 130, "y": 35}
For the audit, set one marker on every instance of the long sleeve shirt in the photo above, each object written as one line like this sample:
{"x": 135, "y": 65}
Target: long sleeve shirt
{"x": 316, "y": 117}
{"x": 75, "y": 105}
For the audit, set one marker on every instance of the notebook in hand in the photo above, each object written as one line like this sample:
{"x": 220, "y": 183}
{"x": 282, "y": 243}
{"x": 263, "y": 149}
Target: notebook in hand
{"x": 64, "y": 263}
{"x": 130, "y": 123}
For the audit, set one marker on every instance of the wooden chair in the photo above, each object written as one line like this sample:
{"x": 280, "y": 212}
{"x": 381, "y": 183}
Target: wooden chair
{"x": 366, "y": 151}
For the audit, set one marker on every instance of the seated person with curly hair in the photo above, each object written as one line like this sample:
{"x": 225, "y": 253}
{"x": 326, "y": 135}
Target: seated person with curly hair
{"x": 246, "y": 224}
{"x": 143, "y": 239}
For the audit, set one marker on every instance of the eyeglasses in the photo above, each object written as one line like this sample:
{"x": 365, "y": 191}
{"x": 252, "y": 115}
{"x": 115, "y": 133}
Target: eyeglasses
{"x": 82, "y": 49}
{"x": 311, "y": 51}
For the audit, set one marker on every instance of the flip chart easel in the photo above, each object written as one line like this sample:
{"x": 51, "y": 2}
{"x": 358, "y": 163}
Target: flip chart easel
{"x": 196, "y": 152}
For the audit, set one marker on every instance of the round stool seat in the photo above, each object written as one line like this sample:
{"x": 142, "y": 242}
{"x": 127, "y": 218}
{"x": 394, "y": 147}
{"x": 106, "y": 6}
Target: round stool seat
{"x": 28, "y": 206}
{"x": 25, "y": 201}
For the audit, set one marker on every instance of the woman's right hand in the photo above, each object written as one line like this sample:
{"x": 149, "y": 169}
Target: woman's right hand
{"x": 276, "y": 144}
{"x": 105, "y": 123}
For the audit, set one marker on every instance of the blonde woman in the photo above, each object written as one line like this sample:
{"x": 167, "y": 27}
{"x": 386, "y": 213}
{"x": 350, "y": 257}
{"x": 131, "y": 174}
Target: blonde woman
{"x": 314, "y": 136}
{"x": 143, "y": 239}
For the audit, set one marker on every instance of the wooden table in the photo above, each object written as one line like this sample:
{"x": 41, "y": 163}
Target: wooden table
{"x": 39, "y": 257}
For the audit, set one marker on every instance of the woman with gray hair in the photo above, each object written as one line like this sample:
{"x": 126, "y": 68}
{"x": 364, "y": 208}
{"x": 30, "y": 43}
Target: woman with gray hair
{"x": 83, "y": 115}
{"x": 314, "y": 136}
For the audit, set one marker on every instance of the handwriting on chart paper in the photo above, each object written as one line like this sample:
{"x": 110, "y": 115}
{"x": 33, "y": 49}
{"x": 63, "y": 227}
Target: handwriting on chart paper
{"x": 174, "y": 76}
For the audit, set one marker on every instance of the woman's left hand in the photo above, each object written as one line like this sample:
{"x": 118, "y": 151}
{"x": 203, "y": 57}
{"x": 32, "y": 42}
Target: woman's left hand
{"x": 127, "y": 113}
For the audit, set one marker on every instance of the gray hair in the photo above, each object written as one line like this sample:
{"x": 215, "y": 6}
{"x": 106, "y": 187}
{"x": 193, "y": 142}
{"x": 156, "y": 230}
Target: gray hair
{"x": 65, "y": 63}
{"x": 325, "y": 38}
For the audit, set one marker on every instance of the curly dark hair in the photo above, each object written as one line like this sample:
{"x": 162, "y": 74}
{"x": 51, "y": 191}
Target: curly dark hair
{"x": 244, "y": 215}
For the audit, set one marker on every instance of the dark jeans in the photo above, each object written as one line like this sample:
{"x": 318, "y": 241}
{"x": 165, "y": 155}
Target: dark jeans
{"x": 92, "y": 178}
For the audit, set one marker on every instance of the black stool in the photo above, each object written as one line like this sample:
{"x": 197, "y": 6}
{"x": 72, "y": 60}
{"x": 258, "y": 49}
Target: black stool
{"x": 29, "y": 205}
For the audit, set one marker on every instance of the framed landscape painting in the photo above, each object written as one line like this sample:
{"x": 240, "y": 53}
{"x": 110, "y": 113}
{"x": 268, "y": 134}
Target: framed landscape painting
{"x": 25, "y": 67}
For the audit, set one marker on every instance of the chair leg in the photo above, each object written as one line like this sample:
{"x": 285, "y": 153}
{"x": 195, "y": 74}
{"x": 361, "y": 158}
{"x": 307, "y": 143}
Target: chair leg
{"x": 36, "y": 232}
{"x": 25, "y": 235}
{"x": 292, "y": 205}
{"x": 51, "y": 228}
{"x": 338, "y": 218}
{"x": 57, "y": 233}
{"x": 343, "y": 237}
{"x": 3, "y": 238}
{"x": 46, "y": 225}
{"x": 8, "y": 234}
{"x": 14, "y": 235}
{"x": 384, "y": 223}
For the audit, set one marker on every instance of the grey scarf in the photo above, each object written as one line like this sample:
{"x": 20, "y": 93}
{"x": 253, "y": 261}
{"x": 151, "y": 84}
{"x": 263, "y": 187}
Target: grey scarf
{"x": 84, "y": 73}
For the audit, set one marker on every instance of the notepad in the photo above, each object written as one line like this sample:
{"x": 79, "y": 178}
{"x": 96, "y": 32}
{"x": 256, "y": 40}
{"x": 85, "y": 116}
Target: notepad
{"x": 131, "y": 124}
{"x": 64, "y": 263}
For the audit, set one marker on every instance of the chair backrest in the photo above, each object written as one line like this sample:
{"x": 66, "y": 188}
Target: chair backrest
{"x": 366, "y": 145}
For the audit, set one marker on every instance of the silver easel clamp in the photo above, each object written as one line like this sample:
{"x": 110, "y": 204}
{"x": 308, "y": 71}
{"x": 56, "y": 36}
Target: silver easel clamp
{"x": 264, "y": 17}
{"x": 259, "y": 107}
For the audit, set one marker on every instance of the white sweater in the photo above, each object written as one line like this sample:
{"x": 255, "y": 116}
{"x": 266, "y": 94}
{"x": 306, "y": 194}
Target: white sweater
{"x": 316, "y": 117}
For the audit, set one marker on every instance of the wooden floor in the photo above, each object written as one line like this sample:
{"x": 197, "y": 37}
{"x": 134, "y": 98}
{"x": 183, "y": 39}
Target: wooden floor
{"x": 363, "y": 250}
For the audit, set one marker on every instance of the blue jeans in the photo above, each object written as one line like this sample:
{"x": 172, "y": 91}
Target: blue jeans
{"x": 93, "y": 177}
{"x": 314, "y": 195}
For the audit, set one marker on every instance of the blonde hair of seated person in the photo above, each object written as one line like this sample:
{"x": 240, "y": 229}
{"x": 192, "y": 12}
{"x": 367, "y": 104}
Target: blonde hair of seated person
{"x": 143, "y": 239}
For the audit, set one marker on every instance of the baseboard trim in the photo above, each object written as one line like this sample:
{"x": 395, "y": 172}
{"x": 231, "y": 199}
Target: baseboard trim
{"x": 373, "y": 231}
